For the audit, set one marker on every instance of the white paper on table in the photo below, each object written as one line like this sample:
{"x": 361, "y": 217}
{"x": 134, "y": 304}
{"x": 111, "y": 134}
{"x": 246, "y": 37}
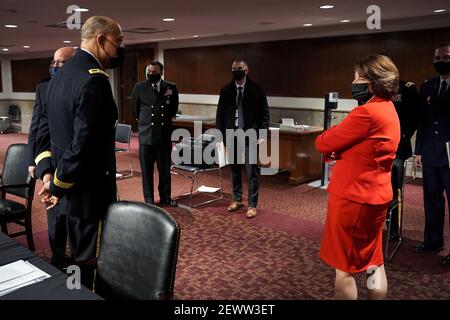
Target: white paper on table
{"x": 19, "y": 274}
{"x": 287, "y": 122}
{"x": 222, "y": 154}
{"x": 203, "y": 188}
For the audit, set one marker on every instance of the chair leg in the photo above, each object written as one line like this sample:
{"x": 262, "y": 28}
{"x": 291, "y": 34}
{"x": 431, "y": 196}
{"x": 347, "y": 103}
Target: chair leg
{"x": 29, "y": 231}
{"x": 388, "y": 232}
{"x": 4, "y": 227}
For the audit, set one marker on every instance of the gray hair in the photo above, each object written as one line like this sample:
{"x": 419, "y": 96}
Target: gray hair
{"x": 96, "y": 25}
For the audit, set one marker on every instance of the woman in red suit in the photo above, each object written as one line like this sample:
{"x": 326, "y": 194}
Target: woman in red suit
{"x": 363, "y": 146}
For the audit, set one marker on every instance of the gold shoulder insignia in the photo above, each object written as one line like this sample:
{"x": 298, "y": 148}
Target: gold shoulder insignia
{"x": 95, "y": 71}
{"x": 409, "y": 84}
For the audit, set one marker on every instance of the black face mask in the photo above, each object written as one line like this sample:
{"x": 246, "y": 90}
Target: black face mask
{"x": 238, "y": 74}
{"x": 154, "y": 78}
{"x": 115, "y": 62}
{"x": 442, "y": 67}
{"x": 360, "y": 92}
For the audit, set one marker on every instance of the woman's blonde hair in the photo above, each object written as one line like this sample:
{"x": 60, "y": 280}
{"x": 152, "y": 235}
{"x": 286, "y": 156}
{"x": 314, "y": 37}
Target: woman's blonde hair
{"x": 382, "y": 74}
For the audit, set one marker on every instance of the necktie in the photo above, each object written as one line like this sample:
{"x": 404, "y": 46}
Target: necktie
{"x": 240, "y": 110}
{"x": 155, "y": 89}
{"x": 442, "y": 90}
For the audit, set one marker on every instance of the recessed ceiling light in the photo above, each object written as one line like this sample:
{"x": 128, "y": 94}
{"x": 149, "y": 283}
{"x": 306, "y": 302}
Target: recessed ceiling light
{"x": 195, "y": 36}
{"x": 67, "y": 41}
{"x": 81, "y": 10}
{"x": 327, "y": 6}
{"x": 307, "y": 25}
{"x": 168, "y": 19}
{"x": 26, "y": 47}
{"x": 172, "y": 38}
{"x": 439, "y": 10}
{"x": 11, "y": 26}
{"x": 345, "y": 21}
{"x": 5, "y": 49}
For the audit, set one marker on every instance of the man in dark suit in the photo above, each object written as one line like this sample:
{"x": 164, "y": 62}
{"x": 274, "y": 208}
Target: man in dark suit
{"x": 243, "y": 105}
{"x": 407, "y": 105}
{"x": 76, "y": 145}
{"x": 155, "y": 103}
{"x": 57, "y": 232}
{"x": 431, "y": 153}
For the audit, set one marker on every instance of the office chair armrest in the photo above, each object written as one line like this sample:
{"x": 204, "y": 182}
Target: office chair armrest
{"x": 25, "y": 185}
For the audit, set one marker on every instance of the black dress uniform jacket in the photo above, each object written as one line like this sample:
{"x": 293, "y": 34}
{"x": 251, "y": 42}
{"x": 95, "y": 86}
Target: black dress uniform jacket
{"x": 80, "y": 132}
{"x": 434, "y": 125}
{"x": 41, "y": 92}
{"x": 407, "y": 105}
{"x": 254, "y": 104}
{"x": 155, "y": 112}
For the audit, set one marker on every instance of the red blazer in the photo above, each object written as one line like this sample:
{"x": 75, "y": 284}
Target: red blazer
{"x": 365, "y": 143}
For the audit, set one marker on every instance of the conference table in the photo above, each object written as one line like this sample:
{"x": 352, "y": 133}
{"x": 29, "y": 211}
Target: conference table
{"x": 53, "y": 288}
{"x": 297, "y": 152}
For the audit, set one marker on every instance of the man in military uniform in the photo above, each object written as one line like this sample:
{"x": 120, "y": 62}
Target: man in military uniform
{"x": 155, "y": 103}
{"x": 56, "y": 220}
{"x": 407, "y": 105}
{"x": 76, "y": 157}
{"x": 431, "y": 152}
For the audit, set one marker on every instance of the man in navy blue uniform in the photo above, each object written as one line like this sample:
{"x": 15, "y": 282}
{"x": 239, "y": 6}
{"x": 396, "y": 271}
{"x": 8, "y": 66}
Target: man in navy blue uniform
{"x": 155, "y": 103}
{"x": 431, "y": 153}
{"x": 56, "y": 220}
{"x": 76, "y": 157}
{"x": 407, "y": 105}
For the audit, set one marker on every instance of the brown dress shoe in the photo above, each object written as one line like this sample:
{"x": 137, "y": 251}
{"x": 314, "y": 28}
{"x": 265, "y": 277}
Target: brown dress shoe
{"x": 251, "y": 213}
{"x": 234, "y": 206}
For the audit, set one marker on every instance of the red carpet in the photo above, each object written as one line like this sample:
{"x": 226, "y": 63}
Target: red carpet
{"x": 275, "y": 255}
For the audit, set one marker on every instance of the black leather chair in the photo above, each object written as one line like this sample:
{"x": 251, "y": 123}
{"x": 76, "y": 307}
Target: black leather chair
{"x": 138, "y": 253}
{"x": 15, "y": 180}
{"x": 123, "y": 136}
{"x": 15, "y": 118}
{"x": 398, "y": 186}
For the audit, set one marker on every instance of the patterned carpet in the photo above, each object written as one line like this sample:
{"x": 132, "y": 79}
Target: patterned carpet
{"x": 275, "y": 255}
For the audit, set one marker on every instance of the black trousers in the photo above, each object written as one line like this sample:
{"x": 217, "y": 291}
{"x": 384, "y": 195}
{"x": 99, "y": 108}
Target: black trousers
{"x": 83, "y": 235}
{"x": 160, "y": 154}
{"x": 252, "y": 172}
{"x": 57, "y": 235}
{"x": 436, "y": 180}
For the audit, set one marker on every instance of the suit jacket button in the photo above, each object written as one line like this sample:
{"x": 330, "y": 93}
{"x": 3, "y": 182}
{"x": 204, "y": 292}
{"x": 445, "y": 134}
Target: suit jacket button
{"x": 436, "y": 132}
{"x": 436, "y": 122}
{"x": 152, "y": 107}
{"x": 162, "y": 115}
{"x": 152, "y": 123}
{"x": 153, "y": 114}
{"x": 162, "y": 123}
{"x": 162, "y": 107}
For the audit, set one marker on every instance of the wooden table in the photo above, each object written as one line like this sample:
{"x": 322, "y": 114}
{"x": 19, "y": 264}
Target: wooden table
{"x": 297, "y": 153}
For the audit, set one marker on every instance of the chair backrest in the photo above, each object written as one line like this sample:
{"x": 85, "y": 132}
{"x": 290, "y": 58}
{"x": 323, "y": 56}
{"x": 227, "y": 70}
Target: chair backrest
{"x": 123, "y": 133}
{"x": 15, "y": 171}
{"x": 138, "y": 253}
{"x": 14, "y": 113}
{"x": 398, "y": 176}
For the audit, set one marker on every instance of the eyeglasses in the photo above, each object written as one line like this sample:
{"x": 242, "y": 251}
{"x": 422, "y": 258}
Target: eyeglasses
{"x": 59, "y": 62}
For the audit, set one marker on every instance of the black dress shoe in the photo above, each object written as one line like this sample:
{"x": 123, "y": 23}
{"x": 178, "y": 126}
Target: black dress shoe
{"x": 446, "y": 261}
{"x": 423, "y": 248}
{"x": 170, "y": 203}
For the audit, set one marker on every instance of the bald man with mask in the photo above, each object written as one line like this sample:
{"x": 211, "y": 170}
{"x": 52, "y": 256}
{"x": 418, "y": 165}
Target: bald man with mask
{"x": 57, "y": 231}
{"x": 76, "y": 146}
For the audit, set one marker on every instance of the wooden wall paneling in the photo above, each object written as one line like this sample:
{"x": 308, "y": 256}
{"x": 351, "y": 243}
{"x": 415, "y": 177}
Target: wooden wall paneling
{"x": 26, "y": 74}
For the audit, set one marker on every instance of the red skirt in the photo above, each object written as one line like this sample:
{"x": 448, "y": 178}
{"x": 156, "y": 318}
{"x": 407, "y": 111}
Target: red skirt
{"x": 352, "y": 239}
